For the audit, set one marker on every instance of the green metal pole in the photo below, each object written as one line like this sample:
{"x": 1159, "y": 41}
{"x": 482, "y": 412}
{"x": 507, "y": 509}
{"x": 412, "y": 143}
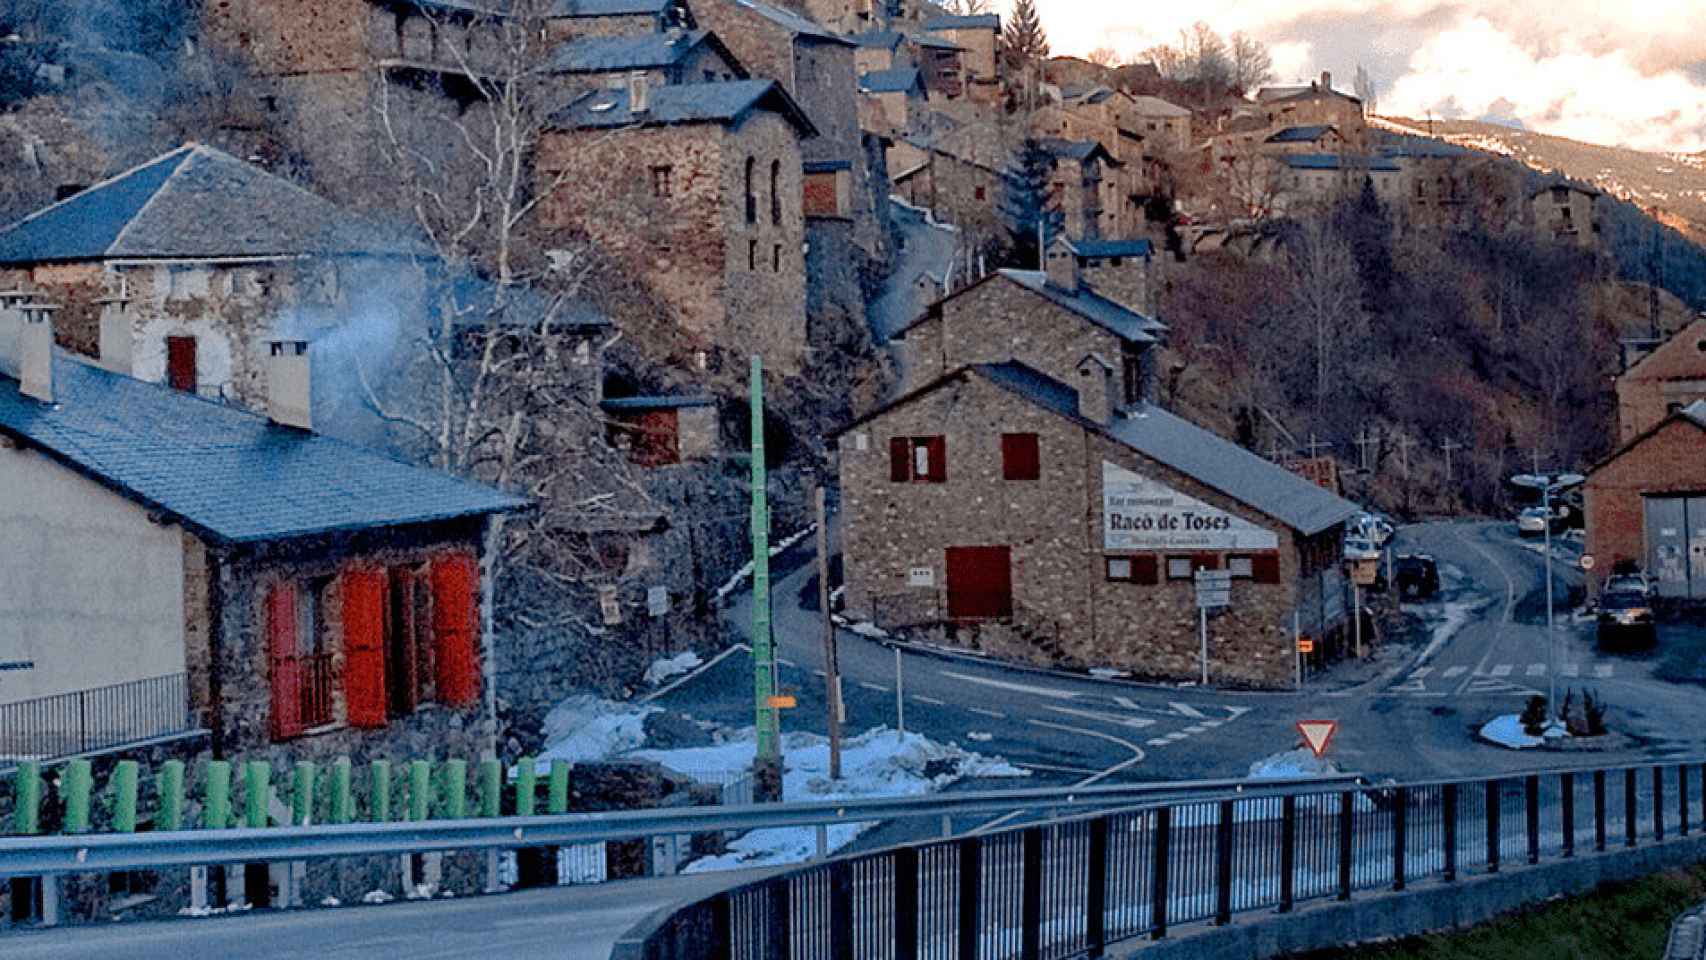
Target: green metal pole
{"x": 380, "y": 798}
{"x": 340, "y": 812}
{"x": 302, "y": 794}
{"x": 124, "y": 796}
{"x": 257, "y": 786}
{"x": 216, "y": 812}
{"x": 454, "y": 806}
{"x": 526, "y": 778}
{"x": 557, "y": 800}
{"x": 420, "y": 789}
{"x": 171, "y": 786}
{"x": 26, "y": 818}
{"x": 75, "y": 786}
{"x": 763, "y": 651}
{"x": 491, "y": 787}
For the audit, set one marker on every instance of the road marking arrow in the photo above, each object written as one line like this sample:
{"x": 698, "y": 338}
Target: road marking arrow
{"x": 1186, "y": 710}
{"x": 1318, "y": 734}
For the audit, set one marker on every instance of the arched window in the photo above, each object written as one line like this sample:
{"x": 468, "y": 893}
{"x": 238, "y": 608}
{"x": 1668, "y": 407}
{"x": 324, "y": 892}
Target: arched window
{"x": 751, "y": 197}
{"x": 776, "y": 192}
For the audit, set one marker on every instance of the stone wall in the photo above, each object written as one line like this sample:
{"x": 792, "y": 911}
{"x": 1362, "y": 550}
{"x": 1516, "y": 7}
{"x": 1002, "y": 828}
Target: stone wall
{"x": 1672, "y": 461}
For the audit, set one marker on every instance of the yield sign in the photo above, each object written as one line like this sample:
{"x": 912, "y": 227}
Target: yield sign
{"x": 1318, "y": 733}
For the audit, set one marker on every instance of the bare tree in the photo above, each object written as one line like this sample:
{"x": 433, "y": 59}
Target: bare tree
{"x": 1365, "y": 90}
{"x": 1208, "y": 63}
{"x": 1169, "y": 61}
{"x": 1325, "y": 303}
{"x": 1252, "y": 64}
{"x": 966, "y": 8}
{"x": 1104, "y": 57}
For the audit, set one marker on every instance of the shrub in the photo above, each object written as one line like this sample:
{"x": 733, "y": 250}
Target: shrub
{"x": 1593, "y": 714}
{"x": 1534, "y": 716}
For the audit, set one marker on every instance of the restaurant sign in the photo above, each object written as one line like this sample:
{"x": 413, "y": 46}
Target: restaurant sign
{"x": 1142, "y": 514}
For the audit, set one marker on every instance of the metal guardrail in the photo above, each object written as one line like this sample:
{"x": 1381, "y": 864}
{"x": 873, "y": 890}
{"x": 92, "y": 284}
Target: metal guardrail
{"x": 29, "y": 856}
{"x": 86, "y": 721}
{"x": 1067, "y": 889}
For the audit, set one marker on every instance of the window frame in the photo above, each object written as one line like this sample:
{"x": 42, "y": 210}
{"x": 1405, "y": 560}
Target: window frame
{"x": 662, "y": 185}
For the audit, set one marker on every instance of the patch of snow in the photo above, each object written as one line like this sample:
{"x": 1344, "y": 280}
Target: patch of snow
{"x": 745, "y": 572}
{"x": 376, "y": 896}
{"x": 877, "y": 763}
{"x": 421, "y": 891}
{"x": 331, "y": 902}
{"x": 836, "y": 594}
{"x": 978, "y": 736}
{"x": 870, "y": 630}
{"x": 1293, "y": 764}
{"x": 1506, "y": 731}
{"x": 665, "y": 668}
{"x": 586, "y": 727}
{"x": 1108, "y": 673}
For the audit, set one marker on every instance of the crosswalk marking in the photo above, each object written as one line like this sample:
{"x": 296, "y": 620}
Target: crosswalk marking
{"x": 1502, "y": 670}
{"x": 1453, "y": 672}
{"x": 1537, "y": 669}
{"x": 1186, "y": 710}
{"x": 1118, "y": 719}
{"x": 1602, "y": 671}
{"x": 987, "y": 713}
{"x": 930, "y": 700}
{"x": 1158, "y": 742}
{"x": 1571, "y": 670}
{"x": 1421, "y": 673}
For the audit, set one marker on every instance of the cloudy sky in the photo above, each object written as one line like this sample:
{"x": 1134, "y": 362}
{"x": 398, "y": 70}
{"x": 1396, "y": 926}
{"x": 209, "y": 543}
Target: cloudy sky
{"x": 1621, "y": 72}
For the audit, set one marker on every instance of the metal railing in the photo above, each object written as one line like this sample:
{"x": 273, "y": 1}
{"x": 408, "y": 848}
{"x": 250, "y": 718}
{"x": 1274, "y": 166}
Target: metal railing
{"x": 86, "y": 721}
{"x": 315, "y": 692}
{"x": 1067, "y": 889}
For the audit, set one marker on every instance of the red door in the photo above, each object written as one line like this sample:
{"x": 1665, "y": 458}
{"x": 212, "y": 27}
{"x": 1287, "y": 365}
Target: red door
{"x": 980, "y": 583}
{"x": 180, "y": 363}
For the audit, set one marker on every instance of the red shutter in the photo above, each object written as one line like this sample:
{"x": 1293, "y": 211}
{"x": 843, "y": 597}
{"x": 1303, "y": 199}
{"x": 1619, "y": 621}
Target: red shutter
{"x": 1265, "y": 568}
{"x": 285, "y": 666}
{"x": 937, "y": 448}
{"x": 180, "y": 363}
{"x": 454, "y": 610}
{"x": 900, "y": 460}
{"x": 1020, "y": 459}
{"x": 1205, "y": 561}
{"x": 364, "y": 646}
{"x": 1146, "y": 569}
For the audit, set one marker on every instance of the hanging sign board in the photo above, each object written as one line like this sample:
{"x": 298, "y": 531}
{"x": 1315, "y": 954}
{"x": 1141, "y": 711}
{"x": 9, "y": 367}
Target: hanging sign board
{"x": 608, "y": 607}
{"x": 1214, "y": 588}
{"x": 657, "y": 601}
{"x": 1142, "y": 514}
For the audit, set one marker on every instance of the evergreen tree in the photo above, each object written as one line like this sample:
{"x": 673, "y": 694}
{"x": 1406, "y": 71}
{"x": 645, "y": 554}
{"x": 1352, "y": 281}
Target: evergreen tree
{"x": 1025, "y": 203}
{"x": 1023, "y": 42}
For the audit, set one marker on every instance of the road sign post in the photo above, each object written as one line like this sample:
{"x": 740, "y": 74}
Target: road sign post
{"x": 1214, "y": 591}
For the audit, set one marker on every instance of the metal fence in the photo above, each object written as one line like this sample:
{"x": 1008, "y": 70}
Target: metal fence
{"x": 1069, "y": 888}
{"x": 84, "y": 721}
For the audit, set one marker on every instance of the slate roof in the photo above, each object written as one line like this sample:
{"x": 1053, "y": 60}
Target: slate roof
{"x": 225, "y": 473}
{"x": 1400, "y": 145}
{"x": 1148, "y": 106}
{"x": 196, "y": 203}
{"x": 1314, "y": 90}
{"x": 982, "y": 21}
{"x": 794, "y": 23}
{"x": 1080, "y": 150}
{"x": 727, "y": 102}
{"x": 1332, "y": 161}
{"x": 1308, "y": 134}
{"x": 608, "y": 8}
{"x": 1089, "y": 94}
{"x": 1114, "y": 248}
{"x": 656, "y": 402}
{"x": 896, "y": 80}
{"x": 637, "y": 52}
{"x": 936, "y": 43}
{"x": 1116, "y": 319}
{"x": 1173, "y": 441}
{"x": 879, "y": 39}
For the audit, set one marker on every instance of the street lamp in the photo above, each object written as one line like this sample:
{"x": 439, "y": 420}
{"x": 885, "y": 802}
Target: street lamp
{"x": 1549, "y": 486}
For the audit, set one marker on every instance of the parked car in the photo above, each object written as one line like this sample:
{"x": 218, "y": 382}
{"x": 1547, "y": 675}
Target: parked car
{"x": 1360, "y": 548}
{"x": 1533, "y": 521}
{"x": 1373, "y": 527}
{"x": 1417, "y": 575}
{"x": 1626, "y": 615}
{"x": 1635, "y": 582}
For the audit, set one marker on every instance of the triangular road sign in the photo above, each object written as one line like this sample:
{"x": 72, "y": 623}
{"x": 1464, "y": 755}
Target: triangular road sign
{"x": 1318, "y": 733}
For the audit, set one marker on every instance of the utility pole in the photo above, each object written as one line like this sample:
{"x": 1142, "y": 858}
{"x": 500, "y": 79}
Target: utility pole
{"x": 767, "y": 763}
{"x": 831, "y": 668}
{"x": 1448, "y": 446}
{"x": 1365, "y": 440}
{"x": 1316, "y": 446}
{"x": 1403, "y": 444}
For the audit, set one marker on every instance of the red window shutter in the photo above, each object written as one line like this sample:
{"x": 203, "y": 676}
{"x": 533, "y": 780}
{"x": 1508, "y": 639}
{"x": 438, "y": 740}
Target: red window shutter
{"x": 285, "y": 666}
{"x": 364, "y": 646}
{"x": 937, "y": 448}
{"x": 1146, "y": 569}
{"x": 1205, "y": 561}
{"x": 900, "y": 460}
{"x": 1265, "y": 568}
{"x": 454, "y": 610}
{"x": 1020, "y": 458}
{"x": 180, "y": 363}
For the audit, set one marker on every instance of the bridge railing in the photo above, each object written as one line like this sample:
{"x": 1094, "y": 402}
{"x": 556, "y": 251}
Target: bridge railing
{"x": 1069, "y": 888}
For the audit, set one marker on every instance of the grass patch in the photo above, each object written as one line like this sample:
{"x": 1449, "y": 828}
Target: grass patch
{"x": 1617, "y": 920}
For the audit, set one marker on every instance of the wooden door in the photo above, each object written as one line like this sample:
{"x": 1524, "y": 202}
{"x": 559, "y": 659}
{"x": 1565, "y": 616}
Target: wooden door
{"x": 180, "y": 363}
{"x": 980, "y": 583}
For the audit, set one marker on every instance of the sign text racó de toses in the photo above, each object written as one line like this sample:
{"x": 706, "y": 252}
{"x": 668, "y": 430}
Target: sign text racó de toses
{"x": 1142, "y": 514}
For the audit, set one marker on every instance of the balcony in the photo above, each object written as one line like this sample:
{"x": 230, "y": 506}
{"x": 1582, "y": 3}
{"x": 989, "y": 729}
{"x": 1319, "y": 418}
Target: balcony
{"x": 95, "y": 720}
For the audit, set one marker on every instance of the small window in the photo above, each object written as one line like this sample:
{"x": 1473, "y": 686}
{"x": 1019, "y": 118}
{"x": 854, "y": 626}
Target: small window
{"x": 1020, "y": 457}
{"x": 1140, "y": 569}
{"x": 710, "y": 76}
{"x": 1119, "y": 568}
{"x": 776, "y": 192}
{"x": 1116, "y": 262}
{"x": 660, "y": 181}
{"x": 752, "y": 254}
{"x": 1179, "y": 568}
{"x": 979, "y": 193}
{"x": 1241, "y": 568}
{"x": 776, "y": 259}
{"x": 918, "y": 460}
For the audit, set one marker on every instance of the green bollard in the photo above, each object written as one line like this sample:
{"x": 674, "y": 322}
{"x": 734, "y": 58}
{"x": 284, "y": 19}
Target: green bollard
{"x": 75, "y": 787}
{"x": 171, "y": 785}
{"x": 216, "y": 812}
{"x": 454, "y": 805}
{"x": 557, "y": 801}
{"x": 491, "y": 787}
{"x": 340, "y": 791}
{"x": 257, "y": 786}
{"x": 380, "y": 792}
{"x": 526, "y": 779}
{"x": 124, "y": 796}
{"x": 26, "y": 819}
{"x": 302, "y": 794}
{"x": 420, "y": 789}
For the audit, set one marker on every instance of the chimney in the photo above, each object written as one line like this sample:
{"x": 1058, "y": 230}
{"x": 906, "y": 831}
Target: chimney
{"x": 1096, "y": 389}
{"x": 1326, "y": 81}
{"x": 35, "y": 351}
{"x": 11, "y": 324}
{"x": 1060, "y": 266}
{"x": 639, "y": 93}
{"x": 117, "y": 337}
{"x": 289, "y": 384}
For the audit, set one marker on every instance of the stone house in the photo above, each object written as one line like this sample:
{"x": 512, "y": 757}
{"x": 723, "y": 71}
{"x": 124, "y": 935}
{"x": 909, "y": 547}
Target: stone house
{"x": 891, "y": 101}
{"x": 709, "y": 212}
{"x": 1316, "y": 105}
{"x": 1124, "y": 271}
{"x": 1565, "y": 212}
{"x": 978, "y": 36}
{"x": 1662, "y": 382}
{"x": 1165, "y": 126}
{"x": 1036, "y": 520}
{"x": 1308, "y": 180}
{"x": 942, "y": 181}
{"x": 1050, "y": 321}
{"x": 605, "y": 18}
{"x": 1092, "y": 116}
{"x": 658, "y": 431}
{"x": 1083, "y": 188}
{"x": 1644, "y": 502}
{"x": 188, "y": 264}
{"x": 1316, "y": 138}
{"x": 879, "y": 50}
{"x": 1439, "y": 190}
{"x": 940, "y": 62}
{"x": 678, "y": 56}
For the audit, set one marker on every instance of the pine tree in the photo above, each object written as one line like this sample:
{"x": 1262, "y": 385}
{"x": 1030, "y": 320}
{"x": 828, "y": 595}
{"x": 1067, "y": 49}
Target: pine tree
{"x": 1025, "y": 203}
{"x": 1023, "y": 42}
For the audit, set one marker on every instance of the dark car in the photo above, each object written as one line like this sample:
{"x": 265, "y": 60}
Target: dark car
{"x": 1626, "y": 616}
{"x": 1416, "y": 575}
